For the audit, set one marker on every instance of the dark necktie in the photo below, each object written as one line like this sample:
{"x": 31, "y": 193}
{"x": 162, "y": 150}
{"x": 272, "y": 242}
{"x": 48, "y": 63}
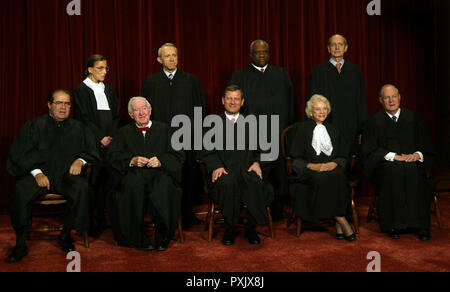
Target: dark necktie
{"x": 394, "y": 118}
{"x": 170, "y": 76}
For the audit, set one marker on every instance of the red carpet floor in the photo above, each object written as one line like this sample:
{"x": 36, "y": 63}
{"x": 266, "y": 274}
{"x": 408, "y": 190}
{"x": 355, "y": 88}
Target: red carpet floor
{"x": 314, "y": 251}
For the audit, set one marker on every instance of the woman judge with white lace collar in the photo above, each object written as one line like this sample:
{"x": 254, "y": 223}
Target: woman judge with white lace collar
{"x": 319, "y": 153}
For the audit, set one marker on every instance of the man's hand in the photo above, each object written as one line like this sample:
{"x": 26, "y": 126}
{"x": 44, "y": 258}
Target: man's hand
{"x": 139, "y": 161}
{"x": 106, "y": 141}
{"x": 257, "y": 169}
{"x": 411, "y": 157}
{"x": 218, "y": 173}
{"x": 76, "y": 167}
{"x": 42, "y": 181}
{"x": 154, "y": 163}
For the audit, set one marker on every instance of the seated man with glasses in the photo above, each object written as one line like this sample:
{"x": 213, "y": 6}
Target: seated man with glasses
{"x": 48, "y": 156}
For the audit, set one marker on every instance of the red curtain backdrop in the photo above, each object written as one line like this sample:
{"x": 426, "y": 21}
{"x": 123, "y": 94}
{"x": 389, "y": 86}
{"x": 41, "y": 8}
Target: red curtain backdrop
{"x": 42, "y": 48}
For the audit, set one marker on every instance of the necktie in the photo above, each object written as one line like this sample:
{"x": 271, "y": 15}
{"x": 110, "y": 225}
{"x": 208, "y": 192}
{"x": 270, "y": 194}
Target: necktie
{"x": 146, "y": 129}
{"x": 338, "y": 66}
{"x": 233, "y": 120}
{"x": 170, "y": 76}
{"x": 394, "y": 118}
{"x": 262, "y": 70}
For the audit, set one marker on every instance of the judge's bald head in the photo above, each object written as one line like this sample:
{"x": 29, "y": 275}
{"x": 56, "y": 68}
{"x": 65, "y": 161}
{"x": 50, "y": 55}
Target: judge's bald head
{"x": 259, "y": 52}
{"x": 390, "y": 98}
{"x": 337, "y": 47}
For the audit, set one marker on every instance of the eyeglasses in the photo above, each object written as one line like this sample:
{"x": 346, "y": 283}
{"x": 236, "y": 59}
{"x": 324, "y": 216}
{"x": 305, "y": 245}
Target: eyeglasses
{"x": 59, "y": 103}
{"x": 102, "y": 68}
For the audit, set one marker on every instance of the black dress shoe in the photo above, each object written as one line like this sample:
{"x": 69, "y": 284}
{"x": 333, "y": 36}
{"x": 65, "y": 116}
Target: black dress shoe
{"x": 350, "y": 238}
{"x": 394, "y": 234}
{"x": 253, "y": 238}
{"x": 147, "y": 247}
{"x": 228, "y": 237}
{"x": 65, "y": 242}
{"x": 18, "y": 253}
{"x": 163, "y": 245}
{"x": 424, "y": 235}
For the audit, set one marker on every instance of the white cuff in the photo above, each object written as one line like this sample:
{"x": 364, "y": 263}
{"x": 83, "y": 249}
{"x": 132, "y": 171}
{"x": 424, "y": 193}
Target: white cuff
{"x": 36, "y": 172}
{"x": 390, "y": 156}
{"x": 421, "y": 156}
{"x": 82, "y": 160}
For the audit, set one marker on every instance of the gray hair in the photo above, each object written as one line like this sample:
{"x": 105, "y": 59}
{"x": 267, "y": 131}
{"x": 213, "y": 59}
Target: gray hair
{"x": 130, "y": 103}
{"x": 314, "y": 99}
{"x": 387, "y": 85}
{"x": 252, "y": 45}
{"x": 166, "y": 45}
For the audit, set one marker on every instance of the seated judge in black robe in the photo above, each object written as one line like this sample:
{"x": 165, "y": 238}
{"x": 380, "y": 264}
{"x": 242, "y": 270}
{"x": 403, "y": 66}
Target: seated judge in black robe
{"x": 47, "y": 157}
{"x": 268, "y": 91}
{"x": 397, "y": 155}
{"x": 173, "y": 92}
{"x": 97, "y": 106}
{"x": 320, "y": 156}
{"x": 342, "y": 82}
{"x": 148, "y": 172}
{"x": 236, "y": 176}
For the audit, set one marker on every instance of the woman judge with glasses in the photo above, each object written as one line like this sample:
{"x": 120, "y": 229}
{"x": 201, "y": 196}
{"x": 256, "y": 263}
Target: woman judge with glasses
{"x": 96, "y": 105}
{"x": 319, "y": 155}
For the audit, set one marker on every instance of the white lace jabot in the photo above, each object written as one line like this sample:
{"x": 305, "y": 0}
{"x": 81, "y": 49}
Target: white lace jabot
{"x": 321, "y": 141}
{"x": 99, "y": 92}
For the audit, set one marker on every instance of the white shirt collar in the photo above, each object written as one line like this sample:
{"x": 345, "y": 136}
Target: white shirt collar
{"x": 230, "y": 117}
{"x": 149, "y": 125}
{"x": 333, "y": 61}
{"x": 259, "y": 68}
{"x": 173, "y": 73}
{"x": 397, "y": 114}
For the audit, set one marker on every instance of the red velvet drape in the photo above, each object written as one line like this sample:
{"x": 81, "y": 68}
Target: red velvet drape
{"x": 42, "y": 48}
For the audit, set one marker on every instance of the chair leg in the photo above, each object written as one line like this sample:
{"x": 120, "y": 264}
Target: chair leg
{"x": 355, "y": 217}
{"x": 272, "y": 233}
{"x": 438, "y": 211}
{"x": 86, "y": 239}
{"x": 180, "y": 230}
{"x": 211, "y": 221}
{"x": 299, "y": 227}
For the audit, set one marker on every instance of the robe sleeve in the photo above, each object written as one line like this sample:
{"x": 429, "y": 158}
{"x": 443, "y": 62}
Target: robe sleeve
{"x": 116, "y": 114}
{"x": 296, "y": 149}
{"x": 172, "y": 161}
{"x": 290, "y": 97}
{"x": 362, "y": 108}
{"x": 211, "y": 159}
{"x": 81, "y": 113}
{"x": 199, "y": 95}
{"x": 24, "y": 155}
{"x": 424, "y": 144}
{"x": 119, "y": 157}
{"x": 372, "y": 153}
{"x": 89, "y": 151}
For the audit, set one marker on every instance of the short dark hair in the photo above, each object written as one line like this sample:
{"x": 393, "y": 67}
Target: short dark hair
{"x": 51, "y": 96}
{"x": 91, "y": 62}
{"x": 232, "y": 88}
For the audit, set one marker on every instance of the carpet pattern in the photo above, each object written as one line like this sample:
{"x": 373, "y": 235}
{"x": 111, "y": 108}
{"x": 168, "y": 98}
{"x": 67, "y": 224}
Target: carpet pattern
{"x": 316, "y": 250}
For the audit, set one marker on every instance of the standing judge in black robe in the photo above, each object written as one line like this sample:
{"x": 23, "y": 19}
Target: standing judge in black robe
{"x": 397, "y": 154}
{"x": 148, "y": 173}
{"x": 320, "y": 156}
{"x": 173, "y": 92}
{"x": 342, "y": 83}
{"x": 97, "y": 106}
{"x": 237, "y": 176}
{"x": 47, "y": 157}
{"x": 268, "y": 91}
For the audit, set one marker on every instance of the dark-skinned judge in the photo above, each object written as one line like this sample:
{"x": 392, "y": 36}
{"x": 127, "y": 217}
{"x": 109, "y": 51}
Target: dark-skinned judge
{"x": 48, "y": 156}
{"x": 236, "y": 175}
{"x": 397, "y": 154}
{"x": 268, "y": 91}
{"x": 342, "y": 82}
{"x": 172, "y": 92}
{"x": 97, "y": 106}
{"x": 320, "y": 155}
{"x": 148, "y": 175}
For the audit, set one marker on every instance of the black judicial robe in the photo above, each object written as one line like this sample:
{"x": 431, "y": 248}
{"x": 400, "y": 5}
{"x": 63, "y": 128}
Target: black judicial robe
{"x": 404, "y": 194}
{"x": 174, "y": 97}
{"x": 269, "y": 93}
{"x": 318, "y": 196}
{"x": 346, "y": 93}
{"x": 51, "y": 146}
{"x": 239, "y": 186}
{"x": 141, "y": 190}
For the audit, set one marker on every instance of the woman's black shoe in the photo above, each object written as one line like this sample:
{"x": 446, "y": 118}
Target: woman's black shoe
{"x": 350, "y": 238}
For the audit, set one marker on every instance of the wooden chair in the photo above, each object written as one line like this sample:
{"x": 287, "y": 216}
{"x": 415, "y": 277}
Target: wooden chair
{"x": 57, "y": 202}
{"x": 289, "y": 160}
{"x": 442, "y": 185}
{"x": 214, "y": 210}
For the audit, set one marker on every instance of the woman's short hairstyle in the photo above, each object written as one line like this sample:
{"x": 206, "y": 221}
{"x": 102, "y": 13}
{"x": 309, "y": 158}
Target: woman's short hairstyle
{"x": 130, "y": 103}
{"x": 316, "y": 98}
{"x": 91, "y": 63}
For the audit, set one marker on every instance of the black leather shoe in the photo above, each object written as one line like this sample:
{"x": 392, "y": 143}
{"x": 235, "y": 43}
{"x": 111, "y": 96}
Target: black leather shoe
{"x": 228, "y": 237}
{"x": 424, "y": 235}
{"x": 394, "y": 234}
{"x": 162, "y": 245}
{"x": 18, "y": 253}
{"x": 65, "y": 242}
{"x": 147, "y": 247}
{"x": 252, "y": 237}
{"x": 350, "y": 238}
